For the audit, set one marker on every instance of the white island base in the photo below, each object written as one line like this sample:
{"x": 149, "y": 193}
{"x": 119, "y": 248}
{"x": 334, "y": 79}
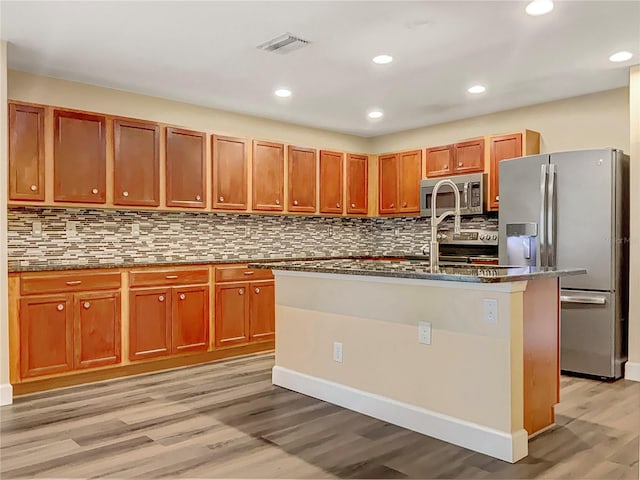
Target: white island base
{"x": 486, "y": 386}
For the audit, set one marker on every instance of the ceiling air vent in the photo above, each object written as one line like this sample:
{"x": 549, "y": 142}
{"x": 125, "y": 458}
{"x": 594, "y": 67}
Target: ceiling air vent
{"x": 284, "y": 43}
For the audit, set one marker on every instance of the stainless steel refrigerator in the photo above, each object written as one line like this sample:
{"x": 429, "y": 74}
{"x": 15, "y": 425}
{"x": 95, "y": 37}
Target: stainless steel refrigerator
{"x": 571, "y": 209}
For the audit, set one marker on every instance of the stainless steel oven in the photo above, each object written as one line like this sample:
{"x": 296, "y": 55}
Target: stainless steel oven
{"x": 470, "y": 187}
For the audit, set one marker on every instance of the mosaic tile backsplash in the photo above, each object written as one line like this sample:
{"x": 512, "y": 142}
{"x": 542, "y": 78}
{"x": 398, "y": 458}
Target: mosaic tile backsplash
{"x": 41, "y": 237}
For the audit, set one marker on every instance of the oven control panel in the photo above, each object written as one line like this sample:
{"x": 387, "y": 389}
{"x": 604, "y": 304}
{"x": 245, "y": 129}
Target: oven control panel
{"x": 469, "y": 237}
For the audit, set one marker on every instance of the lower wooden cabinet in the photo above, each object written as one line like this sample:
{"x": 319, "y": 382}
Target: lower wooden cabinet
{"x": 262, "y": 311}
{"x": 232, "y": 314}
{"x": 190, "y": 318}
{"x": 96, "y": 329}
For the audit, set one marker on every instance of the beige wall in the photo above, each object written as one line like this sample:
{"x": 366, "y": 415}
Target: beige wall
{"x": 634, "y": 274}
{"x": 589, "y": 121}
{"x": 27, "y": 87}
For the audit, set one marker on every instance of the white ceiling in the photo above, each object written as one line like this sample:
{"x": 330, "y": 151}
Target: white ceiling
{"x": 204, "y": 53}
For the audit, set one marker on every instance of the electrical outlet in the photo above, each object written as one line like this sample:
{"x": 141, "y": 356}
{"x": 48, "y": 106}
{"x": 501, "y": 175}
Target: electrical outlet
{"x": 331, "y": 230}
{"x": 70, "y": 229}
{"x": 424, "y": 333}
{"x": 396, "y": 231}
{"x": 36, "y": 228}
{"x": 337, "y": 352}
{"x": 490, "y": 310}
{"x": 135, "y": 228}
{"x": 247, "y": 232}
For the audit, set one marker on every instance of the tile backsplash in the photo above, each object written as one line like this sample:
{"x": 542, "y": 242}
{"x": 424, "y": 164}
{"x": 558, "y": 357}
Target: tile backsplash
{"x": 91, "y": 237}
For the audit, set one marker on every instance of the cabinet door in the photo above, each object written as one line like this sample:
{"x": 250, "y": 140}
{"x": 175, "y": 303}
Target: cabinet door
{"x": 185, "y": 152}
{"x": 263, "y": 311}
{"x": 388, "y": 168}
{"x": 357, "y": 184}
{"x": 331, "y": 182}
{"x": 410, "y": 176}
{"x": 469, "y": 156}
{"x": 46, "y": 335}
{"x": 79, "y": 157}
{"x": 268, "y": 176}
{"x": 149, "y": 323}
{"x": 190, "y": 321}
{"x": 232, "y": 314}
{"x": 229, "y": 172}
{"x": 439, "y": 161}
{"x": 502, "y": 147}
{"x": 97, "y": 329}
{"x": 136, "y": 175}
{"x": 302, "y": 179}
{"x": 26, "y": 152}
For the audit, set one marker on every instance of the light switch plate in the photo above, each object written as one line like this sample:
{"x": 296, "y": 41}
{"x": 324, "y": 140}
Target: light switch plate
{"x": 490, "y": 310}
{"x": 36, "y": 228}
{"x": 135, "y": 228}
{"x": 337, "y": 352}
{"x": 424, "y": 333}
{"x": 70, "y": 229}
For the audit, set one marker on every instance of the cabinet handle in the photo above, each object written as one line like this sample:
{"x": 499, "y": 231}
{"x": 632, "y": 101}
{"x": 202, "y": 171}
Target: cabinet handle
{"x": 94, "y": 191}
{"x": 221, "y": 198}
{"x": 125, "y": 194}
{"x": 241, "y": 291}
{"x": 353, "y": 205}
{"x": 161, "y": 298}
{"x": 198, "y": 198}
{"x": 34, "y": 188}
{"x": 459, "y": 164}
{"x": 404, "y": 204}
{"x": 337, "y": 205}
{"x": 171, "y": 277}
{"x": 277, "y": 202}
{"x": 182, "y": 296}
{"x": 74, "y": 282}
{"x": 249, "y": 272}
{"x": 60, "y": 307}
{"x": 86, "y": 305}
{"x": 295, "y": 202}
{"x": 257, "y": 290}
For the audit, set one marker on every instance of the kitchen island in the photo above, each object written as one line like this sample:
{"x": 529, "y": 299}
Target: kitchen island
{"x": 462, "y": 353}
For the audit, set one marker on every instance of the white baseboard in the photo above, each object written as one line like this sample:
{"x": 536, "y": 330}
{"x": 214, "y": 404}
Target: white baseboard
{"x": 6, "y": 394}
{"x": 507, "y": 446}
{"x": 632, "y": 371}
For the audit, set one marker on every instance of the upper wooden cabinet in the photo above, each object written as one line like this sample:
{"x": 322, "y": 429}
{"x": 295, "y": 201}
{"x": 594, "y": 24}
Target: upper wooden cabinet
{"x": 388, "y": 183}
{"x": 79, "y": 159}
{"x": 302, "y": 179}
{"x": 469, "y": 156}
{"x": 400, "y": 175}
{"x": 26, "y": 152}
{"x": 439, "y": 161}
{"x": 229, "y": 172}
{"x": 185, "y": 158}
{"x": 357, "y": 184}
{"x": 268, "y": 176}
{"x": 136, "y": 161}
{"x": 331, "y": 182}
{"x": 504, "y": 147}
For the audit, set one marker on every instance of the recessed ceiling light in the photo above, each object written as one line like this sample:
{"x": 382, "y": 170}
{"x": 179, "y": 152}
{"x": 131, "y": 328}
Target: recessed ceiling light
{"x": 476, "y": 89}
{"x": 539, "y": 7}
{"x": 282, "y": 92}
{"x": 620, "y": 57}
{"x": 373, "y": 114}
{"x": 382, "y": 59}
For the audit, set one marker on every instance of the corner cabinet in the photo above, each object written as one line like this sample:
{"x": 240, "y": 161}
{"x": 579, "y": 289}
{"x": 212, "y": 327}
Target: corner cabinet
{"x": 185, "y": 166}
{"x": 399, "y": 182}
{"x": 229, "y": 172}
{"x": 268, "y": 176}
{"x": 26, "y": 152}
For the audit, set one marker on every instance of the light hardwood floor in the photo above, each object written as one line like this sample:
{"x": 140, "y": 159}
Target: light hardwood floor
{"x": 226, "y": 420}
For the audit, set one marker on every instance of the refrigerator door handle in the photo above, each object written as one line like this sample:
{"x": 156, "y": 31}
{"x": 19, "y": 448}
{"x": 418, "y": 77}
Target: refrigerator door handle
{"x": 542, "y": 233}
{"x": 583, "y": 299}
{"x": 551, "y": 217}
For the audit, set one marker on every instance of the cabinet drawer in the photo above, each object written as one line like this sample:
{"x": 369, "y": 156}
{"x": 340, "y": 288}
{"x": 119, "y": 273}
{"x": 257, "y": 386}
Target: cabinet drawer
{"x": 242, "y": 274}
{"x": 71, "y": 282}
{"x": 168, "y": 277}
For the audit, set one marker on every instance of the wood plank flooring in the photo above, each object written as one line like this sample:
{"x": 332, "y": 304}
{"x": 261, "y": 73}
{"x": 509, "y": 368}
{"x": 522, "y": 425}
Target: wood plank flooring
{"x": 226, "y": 420}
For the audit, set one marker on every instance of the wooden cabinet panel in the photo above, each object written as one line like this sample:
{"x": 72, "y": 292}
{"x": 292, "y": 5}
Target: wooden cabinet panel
{"x": 268, "y": 176}
{"x": 68, "y": 282}
{"x": 263, "y": 311}
{"x": 331, "y": 182}
{"x": 185, "y": 159}
{"x": 26, "y": 152}
{"x": 97, "y": 329}
{"x": 149, "y": 323}
{"x": 469, "y": 156}
{"x": 170, "y": 276}
{"x": 229, "y": 172}
{"x": 242, "y": 274}
{"x": 302, "y": 179}
{"x": 232, "y": 314}
{"x": 388, "y": 183}
{"x": 190, "y": 321}
{"x": 79, "y": 160}
{"x": 502, "y": 147}
{"x": 357, "y": 184}
{"x": 46, "y": 335}
{"x": 410, "y": 175}
{"x": 136, "y": 174}
{"x": 440, "y": 161}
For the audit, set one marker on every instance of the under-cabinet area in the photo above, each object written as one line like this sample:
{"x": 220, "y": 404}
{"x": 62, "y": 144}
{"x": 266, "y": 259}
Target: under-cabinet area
{"x": 69, "y": 327}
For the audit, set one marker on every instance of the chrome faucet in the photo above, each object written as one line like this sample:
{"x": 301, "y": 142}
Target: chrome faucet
{"x": 435, "y": 220}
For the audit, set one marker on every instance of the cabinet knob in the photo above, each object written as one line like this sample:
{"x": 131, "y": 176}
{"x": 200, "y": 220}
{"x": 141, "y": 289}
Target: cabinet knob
{"x": 277, "y": 202}
{"x": 353, "y": 205}
{"x": 241, "y": 291}
{"x": 295, "y": 202}
{"x": 221, "y": 198}
{"x": 446, "y": 167}
{"x": 94, "y": 191}
{"x": 497, "y": 198}
{"x": 60, "y": 307}
{"x": 86, "y": 305}
{"x": 34, "y": 188}
{"x": 161, "y": 298}
{"x": 459, "y": 164}
{"x": 182, "y": 296}
{"x": 392, "y": 205}
{"x": 337, "y": 205}
{"x": 257, "y": 290}
{"x": 404, "y": 204}
{"x": 198, "y": 198}
{"x": 125, "y": 194}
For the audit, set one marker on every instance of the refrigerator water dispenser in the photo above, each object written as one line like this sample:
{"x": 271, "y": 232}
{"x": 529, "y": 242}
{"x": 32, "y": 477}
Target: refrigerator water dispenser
{"x": 522, "y": 244}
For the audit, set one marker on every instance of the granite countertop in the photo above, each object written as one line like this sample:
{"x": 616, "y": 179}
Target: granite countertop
{"x": 419, "y": 269}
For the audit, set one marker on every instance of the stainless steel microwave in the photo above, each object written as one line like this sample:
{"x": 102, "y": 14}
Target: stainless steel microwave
{"x": 470, "y": 187}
